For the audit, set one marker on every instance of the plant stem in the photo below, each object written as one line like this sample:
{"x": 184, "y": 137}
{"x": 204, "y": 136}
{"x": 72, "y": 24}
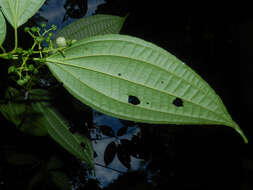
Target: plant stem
{"x": 16, "y": 38}
{"x": 2, "y": 48}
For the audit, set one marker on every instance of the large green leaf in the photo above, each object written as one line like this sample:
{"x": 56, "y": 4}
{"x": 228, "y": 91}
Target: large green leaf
{"x": 2, "y": 28}
{"x": 58, "y": 129}
{"x": 91, "y": 26}
{"x": 132, "y": 79}
{"x": 18, "y": 12}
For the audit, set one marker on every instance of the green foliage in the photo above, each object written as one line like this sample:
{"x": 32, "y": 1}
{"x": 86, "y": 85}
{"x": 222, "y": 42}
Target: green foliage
{"x": 119, "y": 75}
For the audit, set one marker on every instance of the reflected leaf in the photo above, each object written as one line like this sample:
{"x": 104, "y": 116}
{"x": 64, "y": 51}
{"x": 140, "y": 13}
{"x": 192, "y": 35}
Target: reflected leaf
{"x": 123, "y": 153}
{"x": 137, "y": 150}
{"x": 21, "y": 159}
{"x": 122, "y": 131}
{"x": 57, "y": 128}
{"x": 21, "y": 114}
{"x": 54, "y": 163}
{"x": 110, "y": 153}
{"x": 38, "y": 179}
{"x": 42, "y": 114}
{"x": 60, "y": 180}
{"x": 106, "y": 130}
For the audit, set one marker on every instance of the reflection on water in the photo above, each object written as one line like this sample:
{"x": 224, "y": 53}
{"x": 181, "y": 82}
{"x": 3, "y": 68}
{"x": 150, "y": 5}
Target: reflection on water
{"x": 106, "y": 175}
{"x": 54, "y": 11}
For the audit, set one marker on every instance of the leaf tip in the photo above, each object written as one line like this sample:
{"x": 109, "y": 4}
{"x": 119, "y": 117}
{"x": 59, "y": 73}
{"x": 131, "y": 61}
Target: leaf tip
{"x": 239, "y": 130}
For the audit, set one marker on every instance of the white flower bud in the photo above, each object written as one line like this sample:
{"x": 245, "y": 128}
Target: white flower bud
{"x": 61, "y": 42}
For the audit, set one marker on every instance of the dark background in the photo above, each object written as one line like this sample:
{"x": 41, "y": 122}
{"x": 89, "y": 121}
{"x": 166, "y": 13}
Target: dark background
{"x": 217, "y": 42}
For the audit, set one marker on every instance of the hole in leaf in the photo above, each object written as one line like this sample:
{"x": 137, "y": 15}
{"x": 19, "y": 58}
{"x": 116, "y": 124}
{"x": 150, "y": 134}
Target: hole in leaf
{"x": 178, "y": 102}
{"x": 133, "y": 100}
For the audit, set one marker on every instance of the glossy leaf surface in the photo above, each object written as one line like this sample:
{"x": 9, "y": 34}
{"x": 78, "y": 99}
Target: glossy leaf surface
{"x": 132, "y": 79}
{"x": 18, "y": 12}
{"x": 91, "y": 26}
{"x": 2, "y": 28}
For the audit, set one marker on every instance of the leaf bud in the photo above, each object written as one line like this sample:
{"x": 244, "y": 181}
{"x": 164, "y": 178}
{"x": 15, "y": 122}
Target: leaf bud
{"x": 34, "y": 29}
{"x": 11, "y": 69}
{"x": 26, "y": 29}
{"x": 43, "y": 25}
{"x": 27, "y": 78}
{"x": 53, "y": 27}
{"x": 31, "y": 67}
{"x": 35, "y": 71}
{"x": 21, "y": 82}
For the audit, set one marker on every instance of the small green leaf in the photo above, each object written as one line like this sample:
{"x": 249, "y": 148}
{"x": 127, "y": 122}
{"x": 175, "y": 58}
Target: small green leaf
{"x": 91, "y": 26}
{"x": 132, "y": 79}
{"x": 2, "y": 28}
{"x": 18, "y": 12}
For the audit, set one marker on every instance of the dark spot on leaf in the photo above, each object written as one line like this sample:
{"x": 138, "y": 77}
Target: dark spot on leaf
{"x": 83, "y": 145}
{"x": 147, "y": 103}
{"x": 178, "y": 102}
{"x": 119, "y": 74}
{"x": 162, "y": 82}
{"x": 133, "y": 100}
